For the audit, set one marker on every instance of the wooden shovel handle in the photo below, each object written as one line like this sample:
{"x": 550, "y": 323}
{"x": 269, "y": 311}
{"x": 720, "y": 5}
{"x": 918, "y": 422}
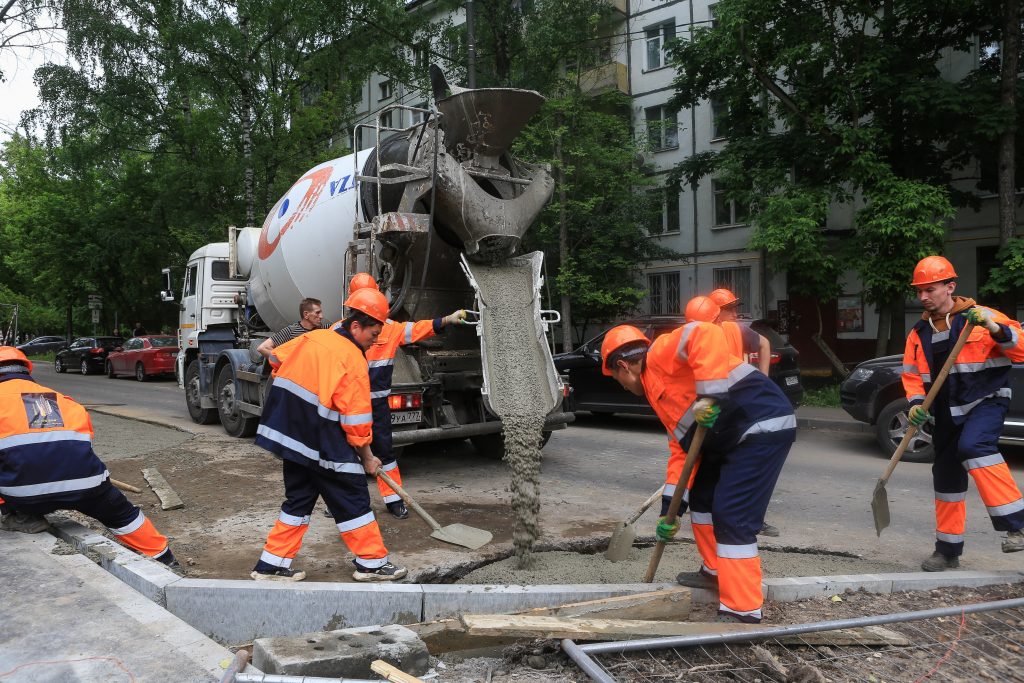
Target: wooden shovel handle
{"x": 928, "y": 400}
{"x": 643, "y": 508}
{"x": 677, "y": 498}
{"x": 125, "y": 487}
{"x": 408, "y": 499}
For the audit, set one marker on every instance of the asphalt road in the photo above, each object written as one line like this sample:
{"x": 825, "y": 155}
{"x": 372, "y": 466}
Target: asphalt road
{"x": 601, "y": 469}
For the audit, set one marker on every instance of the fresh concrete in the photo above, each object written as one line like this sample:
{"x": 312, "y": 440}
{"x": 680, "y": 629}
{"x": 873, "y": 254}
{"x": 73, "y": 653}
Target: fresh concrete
{"x": 345, "y": 653}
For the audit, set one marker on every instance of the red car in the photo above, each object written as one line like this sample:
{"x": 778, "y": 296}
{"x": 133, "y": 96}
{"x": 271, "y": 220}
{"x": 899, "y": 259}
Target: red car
{"x": 144, "y": 356}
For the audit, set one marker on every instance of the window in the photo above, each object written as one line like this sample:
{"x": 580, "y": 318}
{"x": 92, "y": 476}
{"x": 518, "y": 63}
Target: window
{"x": 456, "y": 44}
{"x": 385, "y": 90}
{"x": 737, "y": 281}
{"x": 386, "y": 119}
{"x": 191, "y": 274}
{"x": 418, "y": 116}
{"x": 655, "y": 39}
{"x": 663, "y": 293}
{"x": 420, "y": 55}
{"x": 727, "y": 211}
{"x": 219, "y": 270}
{"x": 665, "y": 214}
{"x": 713, "y": 15}
{"x": 133, "y": 345}
{"x": 662, "y": 127}
{"x": 719, "y": 112}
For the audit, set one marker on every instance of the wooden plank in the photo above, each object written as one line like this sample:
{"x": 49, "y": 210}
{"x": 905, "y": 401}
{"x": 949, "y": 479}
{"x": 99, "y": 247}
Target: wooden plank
{"x": 392, "y": 673}
{"x": 592, "y": 629}
{"x": 672, "y": 604}
{"x": 169, "y": 500}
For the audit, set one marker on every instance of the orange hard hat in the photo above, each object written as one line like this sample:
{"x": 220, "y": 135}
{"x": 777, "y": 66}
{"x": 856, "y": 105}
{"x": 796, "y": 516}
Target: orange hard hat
{"x": 616, "y": 338}
{"x": 362, "y": 281}
{"x": 702, "y": 309}
{"x": 9, "y": 354}
{"x": 369, "y": 301}
{"x": 723, "y": 297}
{"x": 932, "y": 269}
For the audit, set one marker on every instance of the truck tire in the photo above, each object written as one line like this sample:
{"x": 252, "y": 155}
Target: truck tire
{"x": 892, "y": 425}
{"x": 235, "y": 422}
{"x": 199, "y": 415}
{"x": 493, "y": 445}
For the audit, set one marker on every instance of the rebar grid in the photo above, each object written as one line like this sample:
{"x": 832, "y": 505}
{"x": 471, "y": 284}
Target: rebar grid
{"x": 986, "y": 646}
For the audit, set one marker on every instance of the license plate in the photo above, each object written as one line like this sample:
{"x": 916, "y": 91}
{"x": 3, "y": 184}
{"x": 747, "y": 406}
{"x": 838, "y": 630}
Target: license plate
{"x": 406, "y": 417}
{"x": 791, "y": 380}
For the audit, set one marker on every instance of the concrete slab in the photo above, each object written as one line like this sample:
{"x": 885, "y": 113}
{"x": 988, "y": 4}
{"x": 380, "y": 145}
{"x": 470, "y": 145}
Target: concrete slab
{"x": 66, "y": 619}
{"x": 345, "y": 653}
{"x": 921, "y": 581}
{"x": 237, "y": 612}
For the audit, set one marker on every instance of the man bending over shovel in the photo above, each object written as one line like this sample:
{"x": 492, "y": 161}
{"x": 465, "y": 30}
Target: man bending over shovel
{"x": 969, "y": 408}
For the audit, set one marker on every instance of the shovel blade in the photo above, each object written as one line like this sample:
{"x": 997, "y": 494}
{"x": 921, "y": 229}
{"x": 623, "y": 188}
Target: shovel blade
{"x": 880, "y": 507}
{"x": 466, "y": 536}
{"x": 620, "y": 543}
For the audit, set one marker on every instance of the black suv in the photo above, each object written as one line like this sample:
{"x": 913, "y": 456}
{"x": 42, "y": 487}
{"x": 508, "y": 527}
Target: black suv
{"x": 88, "y": 354}
{"x": 873, "y": 393}
{"x": 602, "y": 395}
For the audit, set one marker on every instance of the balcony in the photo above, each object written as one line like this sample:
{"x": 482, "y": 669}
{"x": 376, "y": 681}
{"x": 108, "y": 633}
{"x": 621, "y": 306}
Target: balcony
{"x": 605, "y": 78}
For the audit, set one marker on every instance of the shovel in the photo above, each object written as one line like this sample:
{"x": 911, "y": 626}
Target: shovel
{"x": 677, "y": 498}
{"x": 622, "y": 538}
{"x": 880, "y": 499}
{"x": 456, "y": 534}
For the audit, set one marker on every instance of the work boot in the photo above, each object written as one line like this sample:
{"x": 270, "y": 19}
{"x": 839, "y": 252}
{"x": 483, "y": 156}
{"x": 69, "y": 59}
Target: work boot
{"x": 398, "y": 509}
{"x": 278, "y": 574}
{"x": 698, "y": 579}
{"x": 25, "y": 523}
{"x": 1014, "y": 541}
{"x": 940, "y": 563}
{"x": 768, "y": 530}
{"x": 388, "y": 572}
{"x": 725, "y": 617}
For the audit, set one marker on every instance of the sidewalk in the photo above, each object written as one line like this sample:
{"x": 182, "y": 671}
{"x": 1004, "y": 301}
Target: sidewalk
{"x": 829, "y": 418}
{"x": 66, "y": 619}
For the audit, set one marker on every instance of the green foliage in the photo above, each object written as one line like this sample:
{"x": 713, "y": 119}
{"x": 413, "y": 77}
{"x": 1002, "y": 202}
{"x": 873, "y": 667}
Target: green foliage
{"x": 1010, "y": 276}
{"x": 823, "y": 397}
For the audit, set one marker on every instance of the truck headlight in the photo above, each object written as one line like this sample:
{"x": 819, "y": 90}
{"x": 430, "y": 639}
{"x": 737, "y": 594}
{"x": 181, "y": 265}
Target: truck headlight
{"x": 861, "y": 374}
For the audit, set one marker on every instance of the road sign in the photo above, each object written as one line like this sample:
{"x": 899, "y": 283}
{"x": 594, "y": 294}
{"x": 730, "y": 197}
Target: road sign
{"x": 95, "y": 316}
{"x": 95, "y": 302}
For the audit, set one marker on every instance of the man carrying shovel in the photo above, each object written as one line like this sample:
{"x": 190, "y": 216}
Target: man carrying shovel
{"x": 968, "y": 410}
{"x": 690, "y": 378}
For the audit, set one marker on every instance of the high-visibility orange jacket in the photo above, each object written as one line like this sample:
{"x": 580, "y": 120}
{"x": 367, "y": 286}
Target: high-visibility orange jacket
{"x": 320, "y": 385}
{"x": 981, "y": 370}
{"x": 45, "y": 444}
{"x": 381, "y": 356}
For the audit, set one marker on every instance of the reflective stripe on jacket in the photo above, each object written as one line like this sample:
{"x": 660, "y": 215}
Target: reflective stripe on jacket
{"x": 320, "y": 384}
{"x": 981, "y": 370}
{"x": 45, "y": 444}
{"x": 381, "y": 356}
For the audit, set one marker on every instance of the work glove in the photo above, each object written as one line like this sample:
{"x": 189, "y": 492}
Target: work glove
{"x": 456, "y": 318}
{"x": 665, "y": 531}
{"x": 706, "y": 411}
{"x": 982, "y": 318}
{"x": 918, "y": 416}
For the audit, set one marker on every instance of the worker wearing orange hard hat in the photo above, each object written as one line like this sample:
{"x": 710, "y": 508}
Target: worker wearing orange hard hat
{"x": 318, "y": 420}
{"x": 48, "y": 464}
{"x": 690, "y": 379}
{"x": 968, "y": 411}
{"x": 381, "y": 359}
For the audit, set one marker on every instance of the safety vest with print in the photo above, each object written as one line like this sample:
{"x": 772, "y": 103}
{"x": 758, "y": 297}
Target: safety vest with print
{"x": 46, "y": 450}
{"x": 694, "y": 362}
{"x": 320, "y": 386}
{"x": 981, "y": 370}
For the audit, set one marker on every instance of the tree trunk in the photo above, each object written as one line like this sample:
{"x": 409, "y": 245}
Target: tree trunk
{"x": 837, "y": 364}
{"x": 884, "y": 326}
{"x": 898, "y": 330}
{"x": 1008, "y": 138}
{"x": 69, "y": 332}
{"x": 563, "y": 242}
{"x": 250, "y": 199}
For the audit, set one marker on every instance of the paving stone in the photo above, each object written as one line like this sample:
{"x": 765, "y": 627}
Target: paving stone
{"x": 346, "y": 653}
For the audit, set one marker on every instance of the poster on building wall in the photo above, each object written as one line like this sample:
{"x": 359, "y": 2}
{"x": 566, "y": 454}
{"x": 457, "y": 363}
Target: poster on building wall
{"x": 850, "y": 317}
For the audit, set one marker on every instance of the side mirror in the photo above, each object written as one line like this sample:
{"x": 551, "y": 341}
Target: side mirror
{"x": 118, "y": 348}
{"x": 167, "y": 293}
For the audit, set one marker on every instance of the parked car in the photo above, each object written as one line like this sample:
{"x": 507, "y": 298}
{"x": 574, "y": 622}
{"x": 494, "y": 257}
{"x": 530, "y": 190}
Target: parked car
{"x": 601, "y": 395}
{"x": 42, "y": 345}
{"x": 87, "y": 354}
{"x": 144, "y": 357}
{"x": 873, "y": 393}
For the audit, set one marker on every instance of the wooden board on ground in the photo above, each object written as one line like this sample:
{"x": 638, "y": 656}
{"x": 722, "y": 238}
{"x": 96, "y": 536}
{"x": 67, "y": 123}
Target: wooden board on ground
{"x": 392, "y": 673}
{"x": 169, "y": 500}
{"x": 671, "y": 604}
{"x": 592, "y": 629}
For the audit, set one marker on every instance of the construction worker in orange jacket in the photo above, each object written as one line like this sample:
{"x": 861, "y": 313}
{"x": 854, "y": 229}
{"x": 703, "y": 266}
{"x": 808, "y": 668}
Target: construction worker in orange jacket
{"x": 48, "y": 463}
{"x": 318, "y": 420}
{"x": 690, "y": 378}
{"x": 968, "y": 411}
{"x": 381, "y": 359}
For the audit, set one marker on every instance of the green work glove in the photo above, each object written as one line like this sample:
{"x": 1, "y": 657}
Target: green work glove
{"x": 981, "y": 317}
{"x": 705, "y": 411}
{"x": 918, "y": 416}
{"x": 665, "y": 531}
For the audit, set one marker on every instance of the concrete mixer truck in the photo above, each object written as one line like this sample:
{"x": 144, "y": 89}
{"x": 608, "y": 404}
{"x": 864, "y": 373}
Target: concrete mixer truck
{"x": 435, "y": 212}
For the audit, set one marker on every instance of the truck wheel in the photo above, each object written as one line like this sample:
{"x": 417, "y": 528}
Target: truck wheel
{"x": 493, "y": 445}
{"x": 199, "y": 415}
{"x": 235, "y": 422}
{"x": 892, "y": 425}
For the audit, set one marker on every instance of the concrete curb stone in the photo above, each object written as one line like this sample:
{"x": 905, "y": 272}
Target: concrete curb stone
{"x": 345, "y": 653}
